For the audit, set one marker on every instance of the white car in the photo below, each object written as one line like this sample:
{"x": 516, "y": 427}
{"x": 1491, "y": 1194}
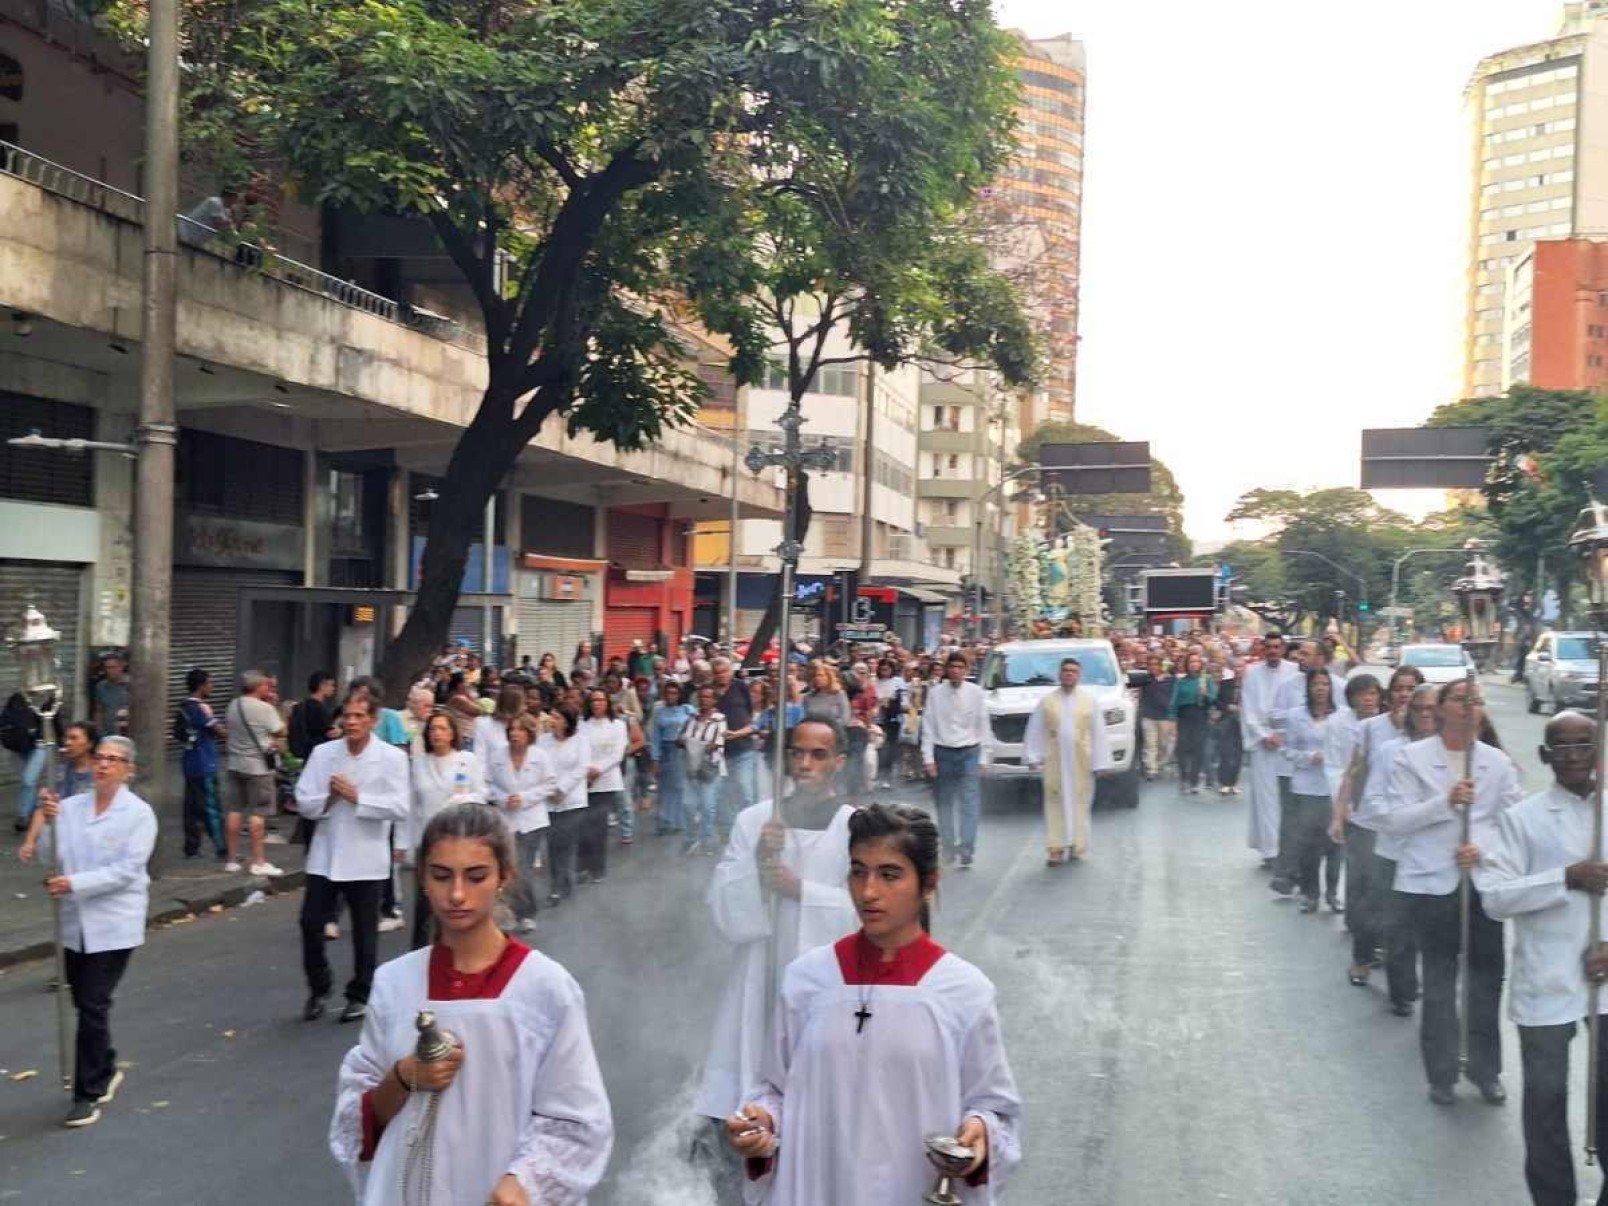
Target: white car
{"x": 1438, "y": 663}
{"x": 1016, "y": 675}
{"x": 1561, "y": 672}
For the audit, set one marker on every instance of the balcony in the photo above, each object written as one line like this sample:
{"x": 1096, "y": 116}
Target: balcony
{"x": 945, "y": 440}
{"x": 275, "y": 350}
{"x": 947, "y": 487}
{"x": 949, "y": 536}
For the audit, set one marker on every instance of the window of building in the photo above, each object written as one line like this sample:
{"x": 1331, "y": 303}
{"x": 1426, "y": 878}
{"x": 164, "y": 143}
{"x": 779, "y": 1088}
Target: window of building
{"x": 948, "y": 557}
{"x": 842, "y": 380}
{"x": 10, "y": 78}
{"x": 222, "y": 475}
{"x": 951, "y": 510}
{"x": 43, "y": 474}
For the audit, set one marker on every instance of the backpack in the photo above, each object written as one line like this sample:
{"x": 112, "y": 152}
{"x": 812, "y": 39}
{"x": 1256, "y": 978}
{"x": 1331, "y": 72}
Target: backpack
{"x": 19, "y": 727}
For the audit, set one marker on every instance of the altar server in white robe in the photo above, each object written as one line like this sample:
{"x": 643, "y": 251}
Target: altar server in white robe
{"x": 1263, "y": 727}
{"x": 520, "y": 1117}
{"x": 882, "y": 1039}
{"x": 1078, "y": 751}
{"x": 802, "y": 862}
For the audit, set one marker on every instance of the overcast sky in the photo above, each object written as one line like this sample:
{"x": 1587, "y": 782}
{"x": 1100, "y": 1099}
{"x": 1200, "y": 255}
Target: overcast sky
{"x": 1275, "y": 204}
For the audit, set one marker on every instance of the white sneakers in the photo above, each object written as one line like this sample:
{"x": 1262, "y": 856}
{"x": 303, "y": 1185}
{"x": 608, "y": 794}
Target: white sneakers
{"x": 332, "y": 931}
{"x": 391, "y": 924}
{"x": 266, "y": 870}
{"x": 232, "y": 867}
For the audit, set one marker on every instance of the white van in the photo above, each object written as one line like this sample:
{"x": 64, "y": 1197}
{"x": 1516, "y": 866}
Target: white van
{"x": 1016, "y": 675}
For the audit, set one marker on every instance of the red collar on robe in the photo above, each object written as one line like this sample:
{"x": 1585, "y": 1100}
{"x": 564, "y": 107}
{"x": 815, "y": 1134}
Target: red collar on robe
{"x": 860, "y": 960}
{"x": 447, "y": 983}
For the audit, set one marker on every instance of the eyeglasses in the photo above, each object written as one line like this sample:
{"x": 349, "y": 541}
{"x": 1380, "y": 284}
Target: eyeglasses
{"x": 1573, "y": 747}
{"x": 110, "y": 758}
{"x": 815, "y": 755}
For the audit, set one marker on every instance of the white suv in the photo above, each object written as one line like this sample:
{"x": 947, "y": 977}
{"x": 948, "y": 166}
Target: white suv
{"x": 1016, "y": 675}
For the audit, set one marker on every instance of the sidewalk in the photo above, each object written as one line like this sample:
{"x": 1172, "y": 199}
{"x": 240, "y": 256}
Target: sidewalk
{"x": 180, "y": 887}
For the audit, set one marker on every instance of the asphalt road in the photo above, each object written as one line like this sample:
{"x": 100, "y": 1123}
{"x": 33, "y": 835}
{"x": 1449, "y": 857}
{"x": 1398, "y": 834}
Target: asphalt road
{"x": 1176, "y": 1035}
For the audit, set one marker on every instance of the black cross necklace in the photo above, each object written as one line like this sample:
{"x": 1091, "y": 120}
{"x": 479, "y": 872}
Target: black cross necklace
{"x": 862, "y": 1015}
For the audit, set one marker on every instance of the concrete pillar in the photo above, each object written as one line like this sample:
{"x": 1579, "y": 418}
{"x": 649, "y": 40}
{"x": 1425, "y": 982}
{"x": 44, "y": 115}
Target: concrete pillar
{"x": 514, "y": 538}
{"x": 112, "y": 576}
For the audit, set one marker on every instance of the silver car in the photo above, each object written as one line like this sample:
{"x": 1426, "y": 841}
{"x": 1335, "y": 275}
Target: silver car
{"x": 1561, "y": 672}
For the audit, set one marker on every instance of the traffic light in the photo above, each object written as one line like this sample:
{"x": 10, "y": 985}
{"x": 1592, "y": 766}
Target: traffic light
{"x": 1362, "y": 607}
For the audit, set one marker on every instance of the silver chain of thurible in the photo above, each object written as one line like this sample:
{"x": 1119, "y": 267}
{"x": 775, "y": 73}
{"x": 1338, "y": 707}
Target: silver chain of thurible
{"x": 418, "y": 1166}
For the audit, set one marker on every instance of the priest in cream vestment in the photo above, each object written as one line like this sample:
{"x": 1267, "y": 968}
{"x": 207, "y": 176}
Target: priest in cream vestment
{"x": 1066, "y": 736}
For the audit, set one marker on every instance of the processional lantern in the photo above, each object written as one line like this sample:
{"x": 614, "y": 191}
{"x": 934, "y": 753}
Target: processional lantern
{"x": 35, "y": 648}
{"x": 1589, "y": 540}
{"x": 1479, "y": 595}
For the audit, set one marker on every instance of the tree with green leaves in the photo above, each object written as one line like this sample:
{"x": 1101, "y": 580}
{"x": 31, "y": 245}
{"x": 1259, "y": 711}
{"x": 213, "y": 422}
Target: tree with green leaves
{"x": 595, "y": 170}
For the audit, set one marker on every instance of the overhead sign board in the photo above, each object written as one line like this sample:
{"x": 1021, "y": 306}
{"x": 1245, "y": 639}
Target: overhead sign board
{"x": 1429, "y": 458}
{"x": 1113, "y": 467}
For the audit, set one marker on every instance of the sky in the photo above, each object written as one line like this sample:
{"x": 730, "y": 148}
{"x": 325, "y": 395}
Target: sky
{"x": 1274, "y": 214}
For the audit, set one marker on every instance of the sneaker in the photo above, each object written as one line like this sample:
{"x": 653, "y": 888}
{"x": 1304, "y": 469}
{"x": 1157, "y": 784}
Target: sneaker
{"x": 614, "y": 822}
{"x": 389, "y": 925}
{"x": 332, "y": 931}
{"x": 965, "y": 862}
{"x": 1225, "y": 791}
{"x": 527, "y": 926}
{"x": 354, "y": 1011}
{"x": 111, "y": 1088}
{"x": 692, "y": 847}
{"x": 275, "y": 839}
{"x": 314, "y": 1009}
{"x": 232, "y": 867}
{"x": 83, "y": 1113}
{"x": 266, "y": 870}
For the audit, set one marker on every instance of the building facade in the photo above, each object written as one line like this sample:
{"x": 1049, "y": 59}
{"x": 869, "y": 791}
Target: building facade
{"x": 318, "y": 400}
{"x": 1039, "y": 204}
{"x": 1538, "y": 137}
{"x": 1555, "y": 329}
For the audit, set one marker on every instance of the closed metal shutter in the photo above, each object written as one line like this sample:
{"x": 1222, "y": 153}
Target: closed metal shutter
{"x": 622, "y": 625}
{"x": 553, "y": 626}
{"x": 469, "y": 629}
{"x": 56, "y": 590}
{"x": 634, "y": 540}
{"x": 204, "y": 619}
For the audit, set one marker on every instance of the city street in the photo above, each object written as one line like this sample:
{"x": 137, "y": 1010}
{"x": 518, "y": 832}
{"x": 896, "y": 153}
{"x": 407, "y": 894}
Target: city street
{"x": 1175, "y": 1033}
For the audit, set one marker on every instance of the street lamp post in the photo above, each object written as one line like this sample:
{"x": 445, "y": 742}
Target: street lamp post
{"x": 1590, "y": 544}
{"x": 35, "y": 650}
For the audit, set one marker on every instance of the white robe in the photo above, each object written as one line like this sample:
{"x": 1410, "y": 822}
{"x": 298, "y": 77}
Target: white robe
{"x": 1259, "y": 718}
{"x": 853, "y": 1110}
{"x": 528, "y": 1099}
{"x": 737, "y": 905}
{"x": 1080, "y": 751}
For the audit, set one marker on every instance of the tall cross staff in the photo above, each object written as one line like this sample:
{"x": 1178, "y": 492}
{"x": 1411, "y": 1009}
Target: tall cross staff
{"x": 1594, "y": 992}
{"x": 793, "y": 457}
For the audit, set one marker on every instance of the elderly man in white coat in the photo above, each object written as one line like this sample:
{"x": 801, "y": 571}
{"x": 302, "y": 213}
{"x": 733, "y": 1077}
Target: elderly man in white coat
{"x": 356, "y": 788}
{"x": 104, "y": 838}
{"x": 799, "y": 864}
{"x": 1262, "y": 724}
{"x": 1066, "y": 736}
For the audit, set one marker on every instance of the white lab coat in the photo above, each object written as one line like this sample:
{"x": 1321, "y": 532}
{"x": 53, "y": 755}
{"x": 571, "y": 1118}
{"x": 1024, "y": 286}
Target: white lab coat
{"x": 1520, "y": 878}
{"x": 1427, "y": 827}
{"x": 532, "y": 782}
{"x": 853, "y": 1108}
{"x": 737, "y": 905}
{"x": 105, "y": 857}
{"x": 353, "y": 841}
{"x": 528, "y": 1099}
{"x": 435, "y": 781}
{"x": 569, "y": 759}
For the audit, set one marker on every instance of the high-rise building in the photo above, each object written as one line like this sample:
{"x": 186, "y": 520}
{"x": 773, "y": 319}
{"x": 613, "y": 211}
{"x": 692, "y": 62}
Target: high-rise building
{"x": 1039, "y": 205}
{"x": 1538, "y": 128}
{"x": 1556, "y": 331}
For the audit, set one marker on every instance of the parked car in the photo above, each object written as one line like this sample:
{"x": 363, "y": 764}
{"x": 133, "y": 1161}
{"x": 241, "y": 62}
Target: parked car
{"x": 1560, "y": 671}
{"x": 1438, "y": 663}
{"x": 1016, "y": 675}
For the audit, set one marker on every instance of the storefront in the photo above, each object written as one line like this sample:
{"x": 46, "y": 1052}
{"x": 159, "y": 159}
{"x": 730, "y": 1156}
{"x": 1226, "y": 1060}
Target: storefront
{"x": 557, "y": 601}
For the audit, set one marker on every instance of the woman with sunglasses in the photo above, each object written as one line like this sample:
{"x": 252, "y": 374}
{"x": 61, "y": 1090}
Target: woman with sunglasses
{"x": 105, "y": 837}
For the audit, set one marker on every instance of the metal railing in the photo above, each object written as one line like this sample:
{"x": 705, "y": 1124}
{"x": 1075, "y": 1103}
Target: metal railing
{"x": 198, "y": 236}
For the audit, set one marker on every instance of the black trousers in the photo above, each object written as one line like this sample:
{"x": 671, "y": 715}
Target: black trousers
{"x": 563, "y": 842}
{"x": 1191, "y": 744}
{"x": 202, "y": 814}
{"x": 322, "y": 898}
{"x": 93, "y": 979}
{"x": 1396, "y": 931}
{"x": 1307, "y": 838}
{"x": 1362, "y": 893}
{"x": 1549, "y": 1167}
{"x": 593, "y": 855}
{"x": 1284, "y": 865}
{"x": 1435, "y": 923}
{"x": 1230, "y": 751}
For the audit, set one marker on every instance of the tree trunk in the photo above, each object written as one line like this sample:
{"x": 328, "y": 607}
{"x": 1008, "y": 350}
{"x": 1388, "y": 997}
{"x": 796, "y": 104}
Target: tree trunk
{"x": 484, "y": 455}
{"x": 772, "y": 618}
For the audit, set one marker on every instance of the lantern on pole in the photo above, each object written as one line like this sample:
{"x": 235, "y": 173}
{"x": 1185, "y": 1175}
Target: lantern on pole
{"x": 34, "y": 647}
{"x": 1589, "y": 540}
{"x": 1479, "y": 595}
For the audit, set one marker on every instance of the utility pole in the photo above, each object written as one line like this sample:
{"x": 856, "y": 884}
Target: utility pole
{"x": 156, "y": 433}
{"x": 737, "y": 433}
{"x": 867, "y": 444}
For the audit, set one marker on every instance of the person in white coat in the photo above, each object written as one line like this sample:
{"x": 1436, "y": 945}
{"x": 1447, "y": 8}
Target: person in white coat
{"x": 570, "y": 757}
{"x": 356, "y": 788}
{"x": 1066, "y": 736}
{"x": 442, "y": 774}
{"x": 1262, "y": 728}
{"x": 799, "y": 862}
{"x": 516, "y": 1114}
{"x": 104, "y": 838}
{"x": 1319, "y": 740}
{"x": 1428, "y": 794}
{"x": 882, "y": 1039}
{"x": 521, "y": 782}
{"x": 1538, "y": 874}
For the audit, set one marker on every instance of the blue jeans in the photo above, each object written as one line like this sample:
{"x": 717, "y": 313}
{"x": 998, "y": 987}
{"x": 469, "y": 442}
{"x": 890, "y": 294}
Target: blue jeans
{"x": 704, "y": 796}
{"x": 742, "y": 782}
{"x": 958, "y": 786}
{"x": 33, "y": 765}
{"x": 672, "y": 792}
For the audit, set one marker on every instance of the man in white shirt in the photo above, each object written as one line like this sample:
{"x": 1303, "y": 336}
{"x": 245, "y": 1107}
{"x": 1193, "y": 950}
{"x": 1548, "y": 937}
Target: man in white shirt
{"x": 1262, "y": 725}
{"x": 953, "y": 729}
{"x": 356, "y": 788}
{"x": 1431, "y": 786}
{"x": 1538, "y": 873}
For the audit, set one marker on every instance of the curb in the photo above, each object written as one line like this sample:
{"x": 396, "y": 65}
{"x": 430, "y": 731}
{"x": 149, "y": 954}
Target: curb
{"x": 231, "y": 896}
